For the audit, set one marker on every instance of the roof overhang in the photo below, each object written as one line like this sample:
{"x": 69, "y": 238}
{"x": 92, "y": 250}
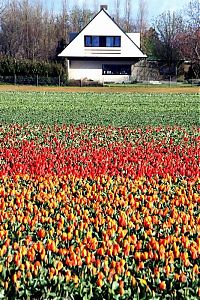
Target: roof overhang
{"x": 105, "y": 57}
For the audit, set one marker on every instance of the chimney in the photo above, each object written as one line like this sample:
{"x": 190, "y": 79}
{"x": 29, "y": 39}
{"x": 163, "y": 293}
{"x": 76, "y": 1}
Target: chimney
{"x": 105, "y": 7}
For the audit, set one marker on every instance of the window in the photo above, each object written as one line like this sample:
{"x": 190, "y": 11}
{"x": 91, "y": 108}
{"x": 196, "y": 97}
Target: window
{"x": 113, "y": 41}
{"x": 88, "y": 41}
{"x": 116, "y": 69}
{"x": 102, "y": 41}
{"x": 91, "y": 41}
{"x": 95, "y": 41}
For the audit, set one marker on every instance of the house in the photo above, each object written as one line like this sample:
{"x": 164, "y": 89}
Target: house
{"x": 103, "y": 52}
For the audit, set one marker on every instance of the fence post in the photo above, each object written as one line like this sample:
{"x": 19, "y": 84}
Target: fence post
{"x": 59, "y": 80}
{"x": 15, "y": 78}
{"x": 36, "y": 80}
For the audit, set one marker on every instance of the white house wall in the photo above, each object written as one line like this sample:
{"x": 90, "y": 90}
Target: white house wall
{"x": 103, "y": 25}
{"x": 86, "y": 62}
{"x": 135, "y": 37}
{"x": 92, "y": 70}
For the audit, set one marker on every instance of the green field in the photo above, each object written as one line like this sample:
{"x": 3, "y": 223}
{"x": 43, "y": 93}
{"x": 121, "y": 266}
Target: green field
{"x": 117, "y": 109}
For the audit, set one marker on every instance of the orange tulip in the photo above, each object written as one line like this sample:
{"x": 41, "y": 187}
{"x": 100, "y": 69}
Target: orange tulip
{"x": 162, "y": 285}
{"x": 59, "y": 265}
{"x": 133, "y": 281}
{"x": 182, "y": 278}
{"x": 137, "y": 255}
{"x": 99, "y": 282}
{"x": 121, "y": 291}
{"x": 68, "y": 275}
{"x": 195, "y": 269}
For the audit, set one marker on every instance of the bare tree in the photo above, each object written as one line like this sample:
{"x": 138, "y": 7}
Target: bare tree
{"x": 117, "y": 9}
{"x": 168, "y": 25}
{"x": 28, "y": 31}
{"x": 124, "y": 17}
{"x": 129, "y": 23}
{"x": 63, "y": 21}
{"x": 142, "y": 16}
{"x": 9, "y": 29}
{"x": 95, "y": 5}
{"x": 188, "y": 40}
{"x": 85, "y": 4}
{"x": 2, "y": 6}
{"x": 193, "y": 13}
{"x": 128, "y": 15}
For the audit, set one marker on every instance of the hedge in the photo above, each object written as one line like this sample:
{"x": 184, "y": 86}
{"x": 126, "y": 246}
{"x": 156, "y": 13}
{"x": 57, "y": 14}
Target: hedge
{"x": 24, "y": 67}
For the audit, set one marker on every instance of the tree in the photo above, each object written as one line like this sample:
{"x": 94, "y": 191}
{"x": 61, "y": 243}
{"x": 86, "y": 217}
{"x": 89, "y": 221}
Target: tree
{"x": 151, "y": 44}
{"x": 2, "y": 6}
{"x": 188, "y": 40}
{"x": 8, "y": 29}
{"x": 79, "y": 18}
{"x": 168, "y": 26}
{"x": 63, "y": 21}
{"x": 127, "y": 20}
{"x": 117, "y": 9}
{"x": 193, "y": 14}
{"x": 95, "y": 5}
{"x": 142, "y": 17}
{"x": 30, "y": 31}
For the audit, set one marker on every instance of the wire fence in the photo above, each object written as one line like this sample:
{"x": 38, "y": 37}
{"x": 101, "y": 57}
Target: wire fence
{"x": 63, "y": 81}
{"x": 34, "y": 80}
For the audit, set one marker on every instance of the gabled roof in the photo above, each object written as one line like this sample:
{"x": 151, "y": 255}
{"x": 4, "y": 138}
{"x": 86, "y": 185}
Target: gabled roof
{"x": 102, "y": 24}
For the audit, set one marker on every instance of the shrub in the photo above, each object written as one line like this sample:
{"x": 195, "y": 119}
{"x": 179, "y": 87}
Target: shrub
{"x": 24, "y": 67}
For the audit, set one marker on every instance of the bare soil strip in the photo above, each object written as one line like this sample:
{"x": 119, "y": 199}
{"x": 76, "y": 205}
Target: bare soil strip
{"x": 112, "y": 89}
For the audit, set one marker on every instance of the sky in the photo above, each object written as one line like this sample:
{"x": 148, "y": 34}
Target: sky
{"x": 154, "y": 7}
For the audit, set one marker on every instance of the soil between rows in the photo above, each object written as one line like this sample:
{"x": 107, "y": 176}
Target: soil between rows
{"x": 106, "y": 89}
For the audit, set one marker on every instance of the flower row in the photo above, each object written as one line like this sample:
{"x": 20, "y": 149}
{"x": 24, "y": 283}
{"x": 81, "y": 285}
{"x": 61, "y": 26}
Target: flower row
{"x": 99, "y": 236}
{"x": 91, "y": 151}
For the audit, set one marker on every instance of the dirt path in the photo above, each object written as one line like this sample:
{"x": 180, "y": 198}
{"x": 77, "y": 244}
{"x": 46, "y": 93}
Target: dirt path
{"x": 113, "y": 89}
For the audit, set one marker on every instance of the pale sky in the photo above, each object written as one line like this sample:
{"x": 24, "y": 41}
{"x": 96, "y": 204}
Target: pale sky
{"x": 154, "y": 7}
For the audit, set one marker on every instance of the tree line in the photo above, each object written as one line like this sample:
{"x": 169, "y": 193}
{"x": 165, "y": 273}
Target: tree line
{"x": 29, "y": 30}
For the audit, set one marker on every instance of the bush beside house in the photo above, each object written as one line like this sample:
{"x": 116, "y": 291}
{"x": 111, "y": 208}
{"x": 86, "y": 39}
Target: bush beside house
{"x": 26, "y": 71}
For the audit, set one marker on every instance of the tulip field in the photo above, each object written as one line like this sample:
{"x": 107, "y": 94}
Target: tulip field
{"x": 106, "y": 207}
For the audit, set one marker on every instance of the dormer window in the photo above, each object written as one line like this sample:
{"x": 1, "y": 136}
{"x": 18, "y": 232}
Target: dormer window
{"x": 102, "y": 41}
